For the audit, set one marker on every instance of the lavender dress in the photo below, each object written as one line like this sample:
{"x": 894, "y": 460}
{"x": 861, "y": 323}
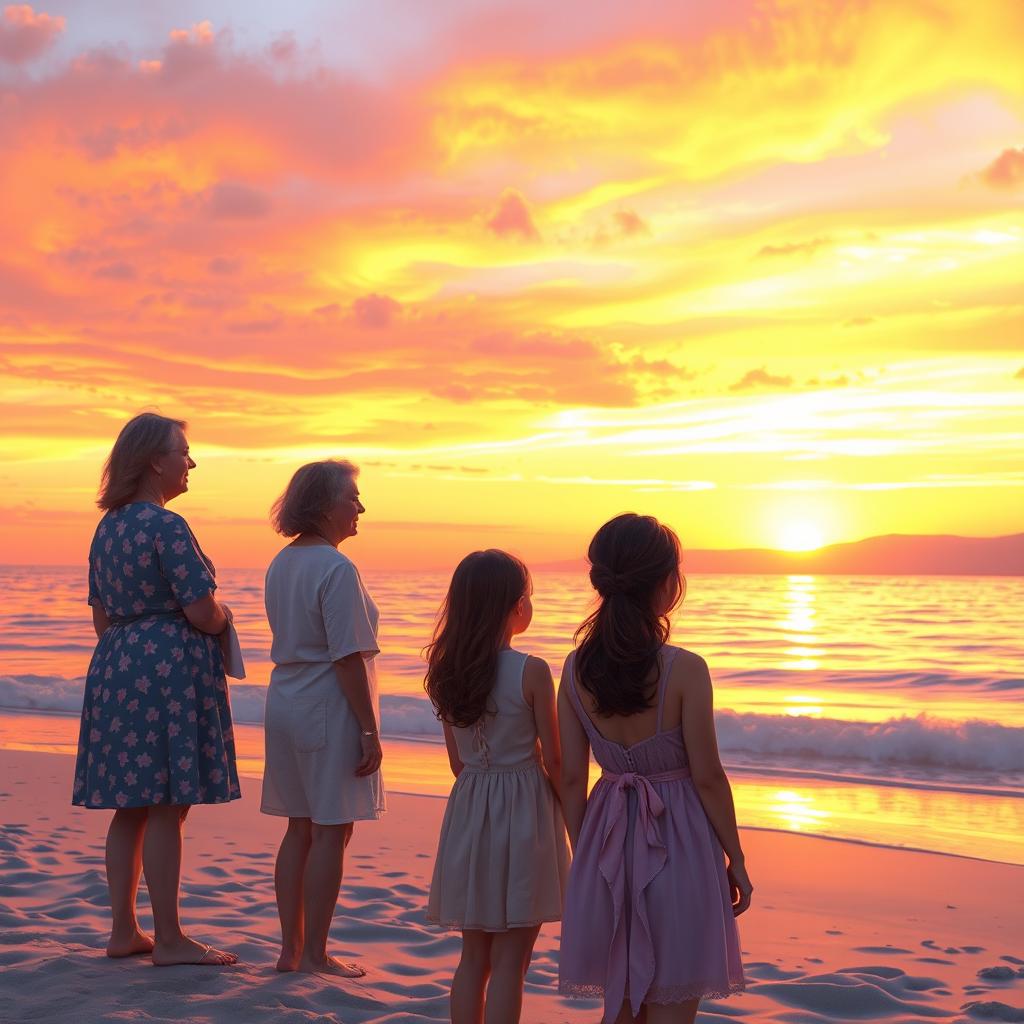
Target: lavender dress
{"x": 647, "y": 912}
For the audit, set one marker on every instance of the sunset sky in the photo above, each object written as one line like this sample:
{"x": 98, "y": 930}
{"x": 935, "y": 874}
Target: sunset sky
{"x": 755, "y": 268}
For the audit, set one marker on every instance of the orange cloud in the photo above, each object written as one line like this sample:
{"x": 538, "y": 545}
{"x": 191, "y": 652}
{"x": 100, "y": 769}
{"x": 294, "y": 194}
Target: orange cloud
{"x": 1007, "y": 170}
{"x": 512, "y": 217}
{"x": 807, "y": 248}
{"x": 630, "y": 223}
{"x": 761, "y": 378}
{"x": 374, "y": 311}
{"x": 24, "y": 34}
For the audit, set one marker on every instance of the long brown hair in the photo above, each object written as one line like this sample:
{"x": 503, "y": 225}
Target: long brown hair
{"x": 141, "y": 438}
{"x": 462, "y": 658}
{"x": 631, "y": 559}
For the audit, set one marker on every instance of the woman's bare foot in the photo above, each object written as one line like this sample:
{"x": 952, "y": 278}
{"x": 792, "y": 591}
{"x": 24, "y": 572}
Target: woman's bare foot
{"x": 188, "y": 951}
{"x": 331, "y": 965}
{"x": 134, "y": 944}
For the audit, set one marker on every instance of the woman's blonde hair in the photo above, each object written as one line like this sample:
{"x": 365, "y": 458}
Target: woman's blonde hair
{"x": 141, "y": 438}
{"x": 311, "y": 493}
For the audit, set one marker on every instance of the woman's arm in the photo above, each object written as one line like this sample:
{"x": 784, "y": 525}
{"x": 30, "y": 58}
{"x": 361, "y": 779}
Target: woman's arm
{"x": 351, "y": 673}
{"x": 539, "y": 694}
{"x": 208, "y": 615}
{"x": 100, "y": 620}
{"x": 575, "y": 762}
{"x": 453, "y": 749}
{"x": 698, "y": 718}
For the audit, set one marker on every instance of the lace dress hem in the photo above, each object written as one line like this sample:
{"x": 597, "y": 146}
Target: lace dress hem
{"x": 460, "y": 926}
{"x": 657, "y": 996}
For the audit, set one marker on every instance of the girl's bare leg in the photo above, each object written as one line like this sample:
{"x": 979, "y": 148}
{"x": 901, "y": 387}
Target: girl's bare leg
{"x": 674, "y": 1013}
{"x": 510, "y": 959}
{"x": 467, "y": 998}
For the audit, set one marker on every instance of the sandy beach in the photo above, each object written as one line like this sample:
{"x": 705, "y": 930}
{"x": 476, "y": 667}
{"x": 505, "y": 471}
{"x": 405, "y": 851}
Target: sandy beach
{"x": 839, "y": 931}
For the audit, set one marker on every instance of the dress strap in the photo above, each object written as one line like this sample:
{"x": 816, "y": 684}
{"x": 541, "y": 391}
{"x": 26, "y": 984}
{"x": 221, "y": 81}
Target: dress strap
{"x": 569, "y": 672}
{"x": 668, "y": 655}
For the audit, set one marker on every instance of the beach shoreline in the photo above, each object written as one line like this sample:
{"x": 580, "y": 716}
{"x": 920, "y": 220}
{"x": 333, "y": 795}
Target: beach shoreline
{"x": 838, "y": 931}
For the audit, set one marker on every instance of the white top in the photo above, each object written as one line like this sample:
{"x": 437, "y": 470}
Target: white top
{"x": 506, "y": 736}
{"x": 319, "y": 613}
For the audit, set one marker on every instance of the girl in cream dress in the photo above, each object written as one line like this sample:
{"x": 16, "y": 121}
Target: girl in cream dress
{"x": 502, "y": 858}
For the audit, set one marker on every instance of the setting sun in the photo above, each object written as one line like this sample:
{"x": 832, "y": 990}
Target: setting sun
{"x": 799, "y": 535}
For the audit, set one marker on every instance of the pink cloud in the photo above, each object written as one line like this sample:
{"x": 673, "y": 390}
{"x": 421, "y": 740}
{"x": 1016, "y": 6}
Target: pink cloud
{"x": 189, "y": 53}
{"x": 223, "y": 265}
{"x": 535, "y": 346}
{"x": 24, "y": 34}
{"x": 375, "y": 311}
{"x": 512, "y": 216}
{"x": 119, "y": 270}
{"x": 1007, "y": 170}
{"x": 236, "y": 201}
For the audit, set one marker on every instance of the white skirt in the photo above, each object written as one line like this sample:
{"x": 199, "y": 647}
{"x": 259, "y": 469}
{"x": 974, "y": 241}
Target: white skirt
{"x": 312, "y": 749}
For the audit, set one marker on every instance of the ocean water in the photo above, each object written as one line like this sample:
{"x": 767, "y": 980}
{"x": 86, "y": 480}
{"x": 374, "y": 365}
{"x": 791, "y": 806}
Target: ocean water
{"x": 880, "y": 709}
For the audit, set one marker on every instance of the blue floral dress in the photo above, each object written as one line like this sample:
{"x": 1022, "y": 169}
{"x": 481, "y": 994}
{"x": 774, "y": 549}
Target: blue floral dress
{"x": 156, "y": 722}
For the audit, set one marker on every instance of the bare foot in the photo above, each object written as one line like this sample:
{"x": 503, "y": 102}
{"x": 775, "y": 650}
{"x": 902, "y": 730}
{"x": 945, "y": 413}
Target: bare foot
{"x": 131, "y": 945}
{"x": 188, "y": 951}
{"x": 331, "y": 965}
{"x": 288, "y": 961}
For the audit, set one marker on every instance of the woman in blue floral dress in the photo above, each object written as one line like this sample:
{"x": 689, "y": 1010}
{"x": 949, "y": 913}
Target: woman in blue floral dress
{"x": 156, "y": 723}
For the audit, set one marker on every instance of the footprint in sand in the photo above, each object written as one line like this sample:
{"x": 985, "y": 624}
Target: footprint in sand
{"x": 1000, "y": 973}
{"x": 880, "y": 950}
{"x": 993, "y": 1010}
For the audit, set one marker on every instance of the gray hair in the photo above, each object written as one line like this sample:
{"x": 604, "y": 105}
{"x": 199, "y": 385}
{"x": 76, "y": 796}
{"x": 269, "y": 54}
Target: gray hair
{"x": 310, "y": 495}
{"x": 141, "y": 438}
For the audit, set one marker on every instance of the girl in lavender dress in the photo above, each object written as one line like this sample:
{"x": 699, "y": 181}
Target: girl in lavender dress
{"x": 156, "y": 733}
{"x": 649, "y": 915}
{"x": 502, "y": 858}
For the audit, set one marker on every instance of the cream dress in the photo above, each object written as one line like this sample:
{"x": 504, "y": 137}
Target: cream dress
{"x": 502, "y": 860}
{"x": 319, "y": 612}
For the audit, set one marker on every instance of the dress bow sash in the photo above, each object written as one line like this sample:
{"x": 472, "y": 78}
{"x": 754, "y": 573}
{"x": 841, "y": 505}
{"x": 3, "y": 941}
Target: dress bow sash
{"x": 631, "y": 950}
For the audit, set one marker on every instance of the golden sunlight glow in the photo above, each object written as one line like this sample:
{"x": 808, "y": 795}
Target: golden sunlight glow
{"x": 696, "y": 269}
{"x": 800, "y": 535}
{"x": 796, "y": 810}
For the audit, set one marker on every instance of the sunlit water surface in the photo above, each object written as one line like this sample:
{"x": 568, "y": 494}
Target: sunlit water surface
{"x": 881, "y": 709}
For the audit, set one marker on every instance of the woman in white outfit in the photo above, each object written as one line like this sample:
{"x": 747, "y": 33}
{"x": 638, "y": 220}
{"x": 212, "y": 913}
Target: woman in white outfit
{"x": 323, "y": 749}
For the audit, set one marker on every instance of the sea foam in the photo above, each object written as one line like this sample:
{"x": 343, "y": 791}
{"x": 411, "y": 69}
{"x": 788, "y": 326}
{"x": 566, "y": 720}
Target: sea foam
{"x": 906, "y": 744}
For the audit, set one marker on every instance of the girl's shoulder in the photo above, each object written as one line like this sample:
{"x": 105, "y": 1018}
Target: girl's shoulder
{"x": 687, "y": 667}
{"x": 530, "y": 662}
{"x": 536, "y": 674}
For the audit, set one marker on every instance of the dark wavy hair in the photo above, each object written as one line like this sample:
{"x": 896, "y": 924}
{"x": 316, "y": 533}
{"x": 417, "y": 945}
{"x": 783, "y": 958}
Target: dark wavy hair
{"x": 462, "y": 658}
{"x": 631, "y": 559}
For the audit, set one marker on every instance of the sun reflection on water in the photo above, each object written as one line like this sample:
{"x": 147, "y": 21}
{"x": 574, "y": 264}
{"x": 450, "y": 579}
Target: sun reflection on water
{"x": 799, "y": 624}
{"x": 796, "y": 811}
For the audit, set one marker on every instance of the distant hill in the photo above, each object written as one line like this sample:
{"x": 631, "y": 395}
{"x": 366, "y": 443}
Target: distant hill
{"x": 894, "y": 554}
